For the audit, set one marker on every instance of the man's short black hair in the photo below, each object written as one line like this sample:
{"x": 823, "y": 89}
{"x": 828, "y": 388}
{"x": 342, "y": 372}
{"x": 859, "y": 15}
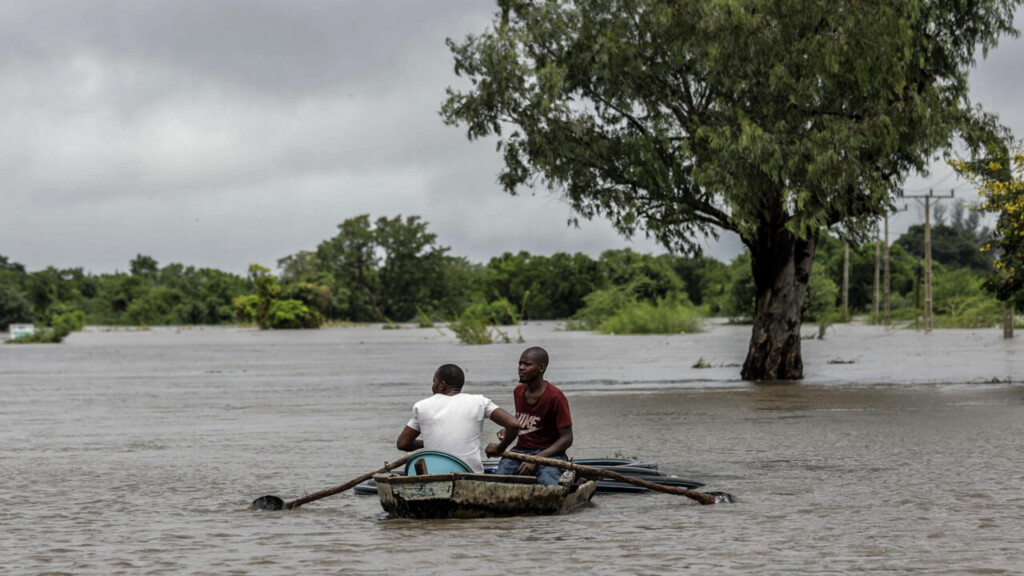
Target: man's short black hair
{"x": 452, "y": 376}
{"x": 537, "y": 353}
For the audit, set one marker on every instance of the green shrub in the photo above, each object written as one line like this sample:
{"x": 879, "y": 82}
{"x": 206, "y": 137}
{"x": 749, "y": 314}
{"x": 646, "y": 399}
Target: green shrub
{"x": 286, "y": 314}
{"x": 69, "y": 322}
{"x": 480, "y": 323}
{"x": 497, "y": 312}
{"x": 315, "y": 296}
{"x": 820, "y": 304}
{"x": 470, "y": 330}
{"x": 245, "y": 308}
{"x": 63, "y": 324}
{"x": 155, "y": 307}
{"x": 599, "y": 306}
{"x": 423, "y": 320}
{"x": 664, "y": 316}
{"x": 978, "y": 311}
{"x": 42, "y": 336}
{"x": 14, "y": 307}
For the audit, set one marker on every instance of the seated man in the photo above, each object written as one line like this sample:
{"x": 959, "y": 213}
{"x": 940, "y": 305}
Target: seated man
{"x": 452, "y": 422}
{"x": 543, "y": 414}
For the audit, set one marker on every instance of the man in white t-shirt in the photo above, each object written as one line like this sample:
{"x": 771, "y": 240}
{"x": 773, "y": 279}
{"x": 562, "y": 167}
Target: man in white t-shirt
{"x": 452, "y": 422}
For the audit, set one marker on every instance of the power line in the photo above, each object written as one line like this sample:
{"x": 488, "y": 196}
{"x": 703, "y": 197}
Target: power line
{"x": 933, "y": 184}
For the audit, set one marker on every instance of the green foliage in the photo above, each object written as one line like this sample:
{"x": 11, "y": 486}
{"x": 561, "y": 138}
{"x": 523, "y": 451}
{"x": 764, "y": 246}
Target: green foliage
{"x": 481, "y": 323}
{"x": 68, "y": 322}
{"x": 423, "y": 320}
{"x": 999, "y": 174}
{"x": 43, "y": 336}
{"x": 290, "y": 314}
{"x": 270, "y": 306}
{"x": 14, "y": 306}
{"x": 267, "y": 291}
{"x": 739, "y": 303}
{"x": 178, "y": 294}
{"x": 155, "y": 307}
{"x": 497, "y": 312}
{"x": 387, "y": 269}
{"x": 820, "y": 303}
{"x": 646, "y": 277}
{"x": 315, "y": 296}
{"x": 472, "y": 330}
{"x": 950, "y": 246}
{"x": 63, "y": 325}
{"x": 245, "y": 308}
{"x": 556, "y": 284}
{"x": 770, "y": 120}
{"x": 960, "y": 302}
{"x": 706, "y": 280}
{"x": 664, "y": 316}
{"x": 622, "y": 310}
{"x": 600, "y": 305}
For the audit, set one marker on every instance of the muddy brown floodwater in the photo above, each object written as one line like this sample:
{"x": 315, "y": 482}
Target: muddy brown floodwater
{"x": 138, "y": 453}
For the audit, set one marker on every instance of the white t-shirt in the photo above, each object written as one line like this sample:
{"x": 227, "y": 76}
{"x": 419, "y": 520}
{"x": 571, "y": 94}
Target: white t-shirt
{"x": 453, "y": 424}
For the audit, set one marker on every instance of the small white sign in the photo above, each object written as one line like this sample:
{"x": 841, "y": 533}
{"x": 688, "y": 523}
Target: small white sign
{"x": 19, "y": 330}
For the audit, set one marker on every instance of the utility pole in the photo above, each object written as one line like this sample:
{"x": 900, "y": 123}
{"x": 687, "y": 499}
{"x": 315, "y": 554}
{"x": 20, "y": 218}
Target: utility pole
{"x": 878, "y": 261}
{"x": 885, "y": 275}
{"x": 1008, "y": 321}
{"x": 917, "y": 289}
{"x": 928, "y": 254}
{"x": 846, "y": 279}
{"x": 928, "y": 262}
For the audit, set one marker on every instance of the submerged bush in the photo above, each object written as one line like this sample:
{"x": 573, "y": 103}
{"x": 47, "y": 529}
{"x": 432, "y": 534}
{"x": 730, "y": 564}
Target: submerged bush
{"x": 978, "y": 311}
{"x": 599, "y": 306}
{"x": 472, "y": 331}
{"x": 286, "y": 314}
{"x": 63, "y": 324}
{"x": 661, "y": 317}
{"x": 620, "y": 311}
{"x": 245, "y": 308}
{"x": 481, "y": 322}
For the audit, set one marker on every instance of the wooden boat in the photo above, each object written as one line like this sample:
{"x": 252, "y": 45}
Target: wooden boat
{"x": 645, "y": 470}
{"x": 462, "y": 495}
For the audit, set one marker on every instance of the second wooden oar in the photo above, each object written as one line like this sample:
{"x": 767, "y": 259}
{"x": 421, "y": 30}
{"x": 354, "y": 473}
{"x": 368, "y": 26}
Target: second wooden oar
{"x": 276, "y": 503}
{"x": 601, "y": 473}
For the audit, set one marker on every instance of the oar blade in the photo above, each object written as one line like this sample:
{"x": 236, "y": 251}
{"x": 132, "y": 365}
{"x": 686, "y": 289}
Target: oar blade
{"x": 722, "y": 497}
{"x": 267, "y": 503}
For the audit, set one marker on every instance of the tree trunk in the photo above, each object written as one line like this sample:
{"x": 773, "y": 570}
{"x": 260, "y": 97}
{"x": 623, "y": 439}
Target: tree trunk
{"x": 781, "y": 265}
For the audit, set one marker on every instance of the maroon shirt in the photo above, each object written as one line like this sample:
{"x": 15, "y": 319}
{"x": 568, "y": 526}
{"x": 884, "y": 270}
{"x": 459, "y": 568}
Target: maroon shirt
{"x": 539, "y": 423}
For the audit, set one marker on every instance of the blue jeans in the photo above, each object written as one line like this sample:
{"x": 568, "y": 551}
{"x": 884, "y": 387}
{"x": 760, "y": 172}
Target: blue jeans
{"x": 547, "y": 475}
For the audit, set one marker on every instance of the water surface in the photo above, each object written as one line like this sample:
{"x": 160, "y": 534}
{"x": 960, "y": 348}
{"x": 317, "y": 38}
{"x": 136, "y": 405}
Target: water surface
{"x": 138, "y": 453}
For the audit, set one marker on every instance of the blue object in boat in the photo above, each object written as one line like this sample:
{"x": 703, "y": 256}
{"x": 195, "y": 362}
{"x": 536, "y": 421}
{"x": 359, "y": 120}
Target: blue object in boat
{"x": 437, "y": 463}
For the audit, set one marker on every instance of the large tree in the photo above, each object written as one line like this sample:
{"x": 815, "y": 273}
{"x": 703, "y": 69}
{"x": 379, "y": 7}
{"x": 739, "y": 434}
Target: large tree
{"x": 387, "y": 270}
{"x": 1000, "y": 178}
{"x": 771, "y": 119}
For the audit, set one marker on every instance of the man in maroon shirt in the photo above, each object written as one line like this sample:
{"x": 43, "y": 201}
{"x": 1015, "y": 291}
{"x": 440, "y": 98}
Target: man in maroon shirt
{"x": 545, "y": 425}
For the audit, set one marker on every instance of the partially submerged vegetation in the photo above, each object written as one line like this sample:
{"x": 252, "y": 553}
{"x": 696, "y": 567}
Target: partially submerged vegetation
{"x": 620, "y": 292}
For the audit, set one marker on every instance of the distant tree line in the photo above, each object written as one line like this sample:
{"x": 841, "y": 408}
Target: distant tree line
{"x": 392, "y": 270}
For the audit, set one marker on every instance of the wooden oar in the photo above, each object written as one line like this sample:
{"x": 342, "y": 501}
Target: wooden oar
{"x": 601, "y": 473}
{"x": 275, "y": 503}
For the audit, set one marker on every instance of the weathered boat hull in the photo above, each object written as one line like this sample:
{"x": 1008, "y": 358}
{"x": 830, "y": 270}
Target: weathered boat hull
{"x": 644, "y": 470}
{"x": 476, "y": 495}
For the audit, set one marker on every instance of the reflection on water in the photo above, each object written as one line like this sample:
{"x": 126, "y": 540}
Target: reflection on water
{"x": 137, "y": 453}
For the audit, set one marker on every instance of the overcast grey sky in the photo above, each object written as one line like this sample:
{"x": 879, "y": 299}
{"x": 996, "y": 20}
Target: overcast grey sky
{"x": 220, "y": 133}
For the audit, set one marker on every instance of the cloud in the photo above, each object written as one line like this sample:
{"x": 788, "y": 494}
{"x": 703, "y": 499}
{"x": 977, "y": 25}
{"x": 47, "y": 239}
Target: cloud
{"x": 224, "y": 133}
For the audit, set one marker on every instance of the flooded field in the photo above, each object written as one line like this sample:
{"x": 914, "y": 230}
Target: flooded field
{"x": 138, "y": 453}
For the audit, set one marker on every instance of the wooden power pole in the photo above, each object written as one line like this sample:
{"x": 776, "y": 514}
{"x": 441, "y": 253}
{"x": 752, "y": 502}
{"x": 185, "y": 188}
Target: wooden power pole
{"x": 878, "y": 263}
{"x": 846, "y": 279}
{"x": 928, "y": 262}
{"x": 928, "y": 254}
{"x": 887, "y": 303}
